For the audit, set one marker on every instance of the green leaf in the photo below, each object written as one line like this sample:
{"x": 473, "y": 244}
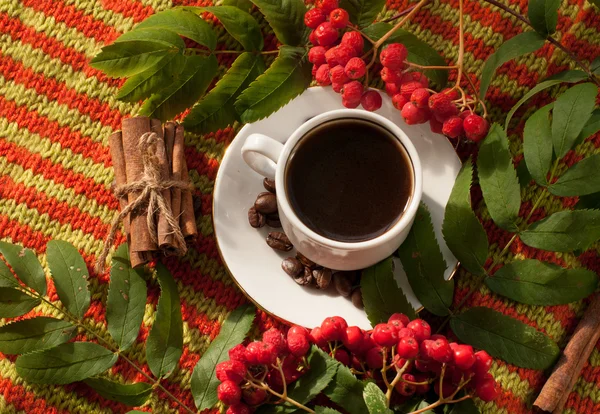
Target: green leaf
{"x": 523, "y": 174}
{"x": 346, "y": 391}
{"x": 123, "y": 59}
{"x": 589, "y": 202}
{"x": 591, "y": 127}
{"x": 571, "y": 111}
{"x": 537, "y": 150}
{"x": 187, "y": 87}
{"x": 216, "y": 110}
{"x": 34, "y": 334}
{"x": 142, "y": 85}
{"x": 462, "y": 231}
{"x": 286, "y": 78}
{"x": 539, "y": 283}
{"x": 498, "y": 179}
{"x": 514, "y": 47}
{"x": 505, "y": 338}
{"x": 381, "y": 294}
{"x": 286, "y": 18}
{"x": 239, "y": 24}
{"x": 7, "y": 279}
{"x": 375, "y": 399}
{"x": 233, "y": 331}
{"x": 70, "y": 276}
{"x": 184, "y": 23}
{"x": 564, "y": 231}
{"x": 136, "y": 412}
{"x": 595, "y": 3}
{"x": 582, "y": 178}
{"x": 153, "y": 35}
{"x": 26, "y": 265}
{"x": 569, "y": 76}
{"x": 419, "y": 52}
{"x": 595, "y": 66}
{"x": 65, "y": 363}
{"x": 362, "y": 12}
{"x": 15, "y": 303}
{"x": 325, "y": 410}
{"x": 165, "y": 340}
{"x": 245, "y": 5}
{"x": 126, "y": 300}
{"x": 131, "y": 394}
{"x": 424, "y": 265}
{"x": 463, "y": 407}
{"x": 419, "y": 405}
{"x": 543, "y": 15}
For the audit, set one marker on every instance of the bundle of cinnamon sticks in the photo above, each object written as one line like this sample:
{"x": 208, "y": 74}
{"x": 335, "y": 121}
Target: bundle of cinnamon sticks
{"x": 129, "y": 168}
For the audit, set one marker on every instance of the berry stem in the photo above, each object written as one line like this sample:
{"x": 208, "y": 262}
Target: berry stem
{"x": 400, "y": 14}
{"x": 392, "y": 385}
{"x": 414, "y": 65}
{"x": 461, "y": 45}
{"x": 363, "y": 34}
{"x": 283, "y": 381}
{"x": 231, "y": 52}
{"x": 398, "y": 25}
{"x": 265, "y": 387}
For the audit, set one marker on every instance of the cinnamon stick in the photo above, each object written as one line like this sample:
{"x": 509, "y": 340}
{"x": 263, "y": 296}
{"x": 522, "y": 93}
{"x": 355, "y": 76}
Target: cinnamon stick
{"x": 118, "y": 160}
{"x": 556, "y": 391}
{"x": 133, "y": 129}
{"x": 188, "y": 218}
{"x": 165, "y": 235}
{"x": 177, "y": 168}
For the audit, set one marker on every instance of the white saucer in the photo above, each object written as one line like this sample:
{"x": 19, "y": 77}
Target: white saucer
{"x": 256, "y": 268}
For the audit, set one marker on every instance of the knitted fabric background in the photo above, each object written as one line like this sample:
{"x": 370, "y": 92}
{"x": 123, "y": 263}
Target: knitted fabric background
{"x": 56, "y": 114}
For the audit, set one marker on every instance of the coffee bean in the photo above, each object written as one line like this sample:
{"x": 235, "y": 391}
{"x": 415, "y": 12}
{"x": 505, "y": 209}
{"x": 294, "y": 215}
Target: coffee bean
{"x": 322, "y": 277}
{"x": 305, "y": 260}
{"x": 352, "y": 275}
{"x": 269, "y": 185}
{"x": 305, "y": 278}
{"x": 342, "y": 284}
{"x": 266, "y": 203}
{"x": 279, "y": 241}
{"x": 255, "y": 218}
{"x": 273, "y": 221}
{"x": 292, "y": 266}
{"x": 357, "y": 299}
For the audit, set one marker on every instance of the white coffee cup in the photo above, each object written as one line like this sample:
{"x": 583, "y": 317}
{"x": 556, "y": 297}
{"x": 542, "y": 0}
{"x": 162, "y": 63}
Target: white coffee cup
{"x": 269, "y": 158}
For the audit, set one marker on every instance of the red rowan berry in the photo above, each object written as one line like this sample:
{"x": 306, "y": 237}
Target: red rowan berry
{"x": 316, "y": 337}
{"x": 343, "y": 54}
{"x": 331, "y": 57}
{"x": 413, "y": 115}
{"x": 326, "y": 34}
{"x": 355, "y": 68}
{"x": 231, "y": 371}
{"x": 407, "y": 89}
{"x": 352, "y": 92}
{"x": 374, "y": 358}
{"x": 298, "y": 345}
{"x": 453, "y": 94}
{"x": 327, "y": 5}
{"x": 314, "y": 17}
{"x": 316, "y": 55}
{"x": 339, "y": 18}
{"x": 385, "y": 335}
{"x": 350, "y": 104}
{"x": 342, "y": 356}
{"x": 388, "y": 75}
{"x": 229, "y": 392}
{"x": 275, "y": 337}
{"x": 464, "y": 358}
{"x": 421, "y": 329}
{"x": 476, "y": 128}
{"x": 442, "y": 106}
{"x": 337, "y": 87}
{"x": 298, "y": 330}
{"x": 398, "y": 100}
{"x": 392, "y": 89}
{"x": 441, "y": 351}
{"x": 423, "y": 388}
{"x": 447, "y": 388}
{"x": 404, "y": 388}
{"x": 396, "y": 324}
{"x": 338, "y": 75}
{"x": 367, "y": 344}
{"x": 435, "y": 125}
{"x": 353, "y": 339}
{"x": 334, "y": 328}
{"x": 487, "y": 389}
{"x": 465, "y": 114}
{"x": 238, "y": 353}
{"x": 238, "y": 408}
{"x": 415, "y": 77}
{"x": 408, "y": 348}
{"x": 405, "y": 333}
{"x": 393, "y": 56}
{"x": 260, "y": 353}
{"x": 253, "y": 396}
{"x": 314, "y": 70}
{"x": 453, "y": 127}
{"x": 371, "y": 100}
{"x": 483, "y": 363}
{"x": 312, "y": 38}
{"x": 420, "y": 97}
{"x": 322, "y": 75}
{"x": 354, "y": 40}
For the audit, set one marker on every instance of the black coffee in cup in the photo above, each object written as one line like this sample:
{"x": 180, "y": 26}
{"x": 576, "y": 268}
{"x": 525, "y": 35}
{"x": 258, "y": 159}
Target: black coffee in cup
{"x": 349, "y": 179}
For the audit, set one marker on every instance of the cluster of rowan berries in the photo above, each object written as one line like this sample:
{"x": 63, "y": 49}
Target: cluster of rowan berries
{"x": 401, "y": 353}
{"x": 337, "y": 62}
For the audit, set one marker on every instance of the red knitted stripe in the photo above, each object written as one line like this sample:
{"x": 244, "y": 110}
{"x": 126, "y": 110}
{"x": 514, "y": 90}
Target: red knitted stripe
{"x": 59, "y": 92}
{"x": 27, "y": 401}
{"x": 130, "y": 8}
{"x": 582, "y": 405}
{"x": 200, "y": 162}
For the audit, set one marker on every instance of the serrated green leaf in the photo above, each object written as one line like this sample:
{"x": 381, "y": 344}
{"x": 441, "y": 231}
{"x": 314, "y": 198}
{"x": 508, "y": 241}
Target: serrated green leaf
{"x": 286, "y": 18}
{"x": 321, "y": 371}
{"x": 514, "y": 47}
{"x": 142, "y": 85}
{"x": 537, "y": 148}
{"x": 125, "y": 59}
{"x": 581, "y": 179}
{"x": 7, "y": 279}
{"x": 65, "y": 363}
{"x": 464, "y": 407}
{"x": 245, "y": 5}
{"x": 70, "y": 275}
{"x": 34, "y": 334}
{"x": 131, "y": 394}
{"x": 165, "y": 340}
{"x": 381, "y": 294}
{"x": 184, "y": 23}
{"x": 591, "y": 201}
{"x": 591, "y": 127}
{"x": 325, "y": 410}
{"x": 375, "y": 399}
{"x": 152, "y": 34}
{"x": 15, "y": 303}
{"x": 571, "y": 111}
{"x": 189, "y": 85}
{"x": 362, "y": 12}
{"x": 539, "y": 283}
{"x": 419, "y": 52}
{"x": 543, "y": 15}
{"x": 462, "y": 231}
{"x": 286, "y": 78}
{"x": 498, "y": 179}
{"x": 126, "y": 301}
{"x": 424, "y": 265}
{"x": 216, "y": 110}
{"x": 414, "y": 404}
{"x": 523, "y": 174}
{"x": 233, "y": 331}
{"x": 568, "y": 76}
{"x": 346, "y": 391}
{"x": 240, "y": 25}
{"x": 505, "y": 338}
{"x": 564, "y": 231}
{"x": 595, "y": 66}
{"x": 26, "y": 265}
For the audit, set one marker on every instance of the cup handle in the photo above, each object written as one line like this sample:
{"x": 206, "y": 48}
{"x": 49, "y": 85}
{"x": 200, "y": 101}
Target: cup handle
{"x": 261, "y": 153}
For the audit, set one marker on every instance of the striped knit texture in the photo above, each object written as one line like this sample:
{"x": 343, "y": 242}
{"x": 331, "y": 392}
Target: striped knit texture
{"x": 56, "y": 113}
